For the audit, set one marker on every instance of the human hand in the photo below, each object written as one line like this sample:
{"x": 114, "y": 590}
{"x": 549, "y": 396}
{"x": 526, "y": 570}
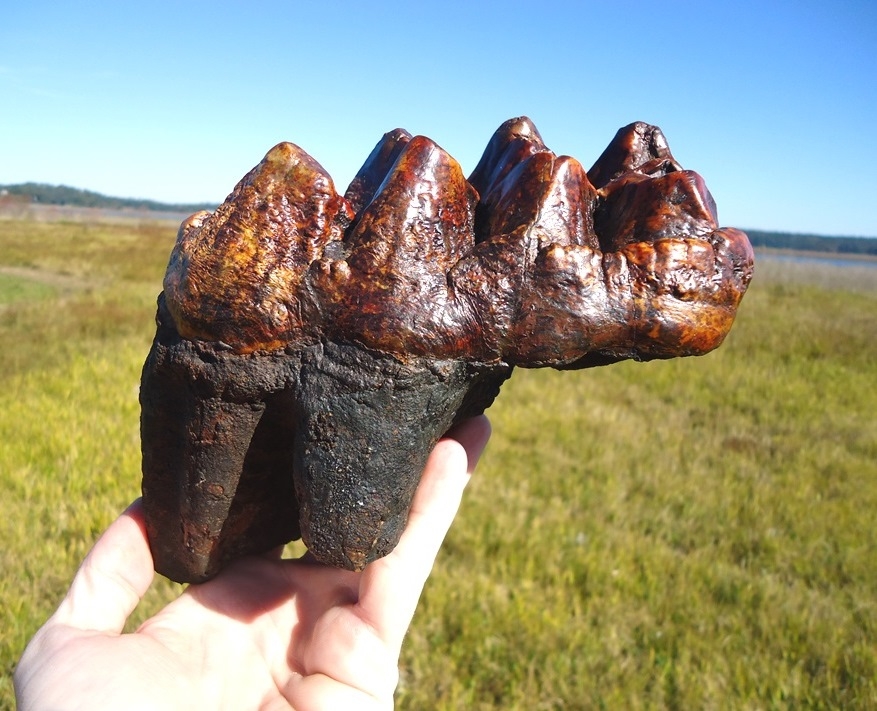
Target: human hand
{"x": 264, "y": 634}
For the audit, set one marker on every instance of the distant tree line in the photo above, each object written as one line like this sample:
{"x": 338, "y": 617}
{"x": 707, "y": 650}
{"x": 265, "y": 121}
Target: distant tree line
{"x": 63, "y": 195}
{"x": 813, "y": 243}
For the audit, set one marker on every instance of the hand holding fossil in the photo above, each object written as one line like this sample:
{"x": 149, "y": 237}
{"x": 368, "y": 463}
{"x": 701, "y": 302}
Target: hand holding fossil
{"x": 265, "y": 633}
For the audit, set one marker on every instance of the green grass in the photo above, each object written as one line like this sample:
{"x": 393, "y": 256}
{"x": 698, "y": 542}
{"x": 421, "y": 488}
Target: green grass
{"x": 688, "y": 534}
{"x": 15, "y": 289}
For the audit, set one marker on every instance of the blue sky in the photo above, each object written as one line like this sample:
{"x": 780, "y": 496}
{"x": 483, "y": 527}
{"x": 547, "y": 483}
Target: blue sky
{"x": 773, "y": 102}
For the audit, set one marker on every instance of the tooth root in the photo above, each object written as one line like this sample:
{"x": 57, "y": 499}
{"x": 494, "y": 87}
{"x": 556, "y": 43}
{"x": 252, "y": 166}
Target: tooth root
{"x": 363, "y": 441}
{"x": 217, "y": 472}
{"x": 253, "y": 452}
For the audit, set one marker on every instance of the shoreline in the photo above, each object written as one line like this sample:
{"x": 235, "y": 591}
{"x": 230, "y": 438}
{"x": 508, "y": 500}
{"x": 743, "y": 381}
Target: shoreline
{"x": 74, "y": 213}
{"x": 769, "y": 252}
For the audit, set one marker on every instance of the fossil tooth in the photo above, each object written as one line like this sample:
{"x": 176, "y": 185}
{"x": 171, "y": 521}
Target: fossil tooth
{"x": 311, "y": 347}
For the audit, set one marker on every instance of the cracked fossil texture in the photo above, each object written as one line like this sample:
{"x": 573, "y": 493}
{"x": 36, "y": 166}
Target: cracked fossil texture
{"x": 312, "y": 347}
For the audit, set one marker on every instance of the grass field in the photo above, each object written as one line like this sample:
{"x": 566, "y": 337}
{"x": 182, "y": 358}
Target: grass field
{"x": 688, "y": 534}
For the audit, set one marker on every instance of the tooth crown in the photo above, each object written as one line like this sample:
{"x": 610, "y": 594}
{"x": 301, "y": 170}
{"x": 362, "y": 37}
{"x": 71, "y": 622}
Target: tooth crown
{"x": 532, "y": 260}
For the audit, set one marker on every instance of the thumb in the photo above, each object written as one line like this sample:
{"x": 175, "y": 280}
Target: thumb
{"x": 112, "y": 579}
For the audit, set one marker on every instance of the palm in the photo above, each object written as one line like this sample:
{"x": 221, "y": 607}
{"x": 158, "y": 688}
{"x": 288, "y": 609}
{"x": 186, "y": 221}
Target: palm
{"x": 264, "y": 634}
{"x": 278, "y": 633}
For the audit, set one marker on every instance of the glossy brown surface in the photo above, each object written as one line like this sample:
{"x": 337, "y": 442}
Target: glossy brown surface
{"x": 418, "y": 286}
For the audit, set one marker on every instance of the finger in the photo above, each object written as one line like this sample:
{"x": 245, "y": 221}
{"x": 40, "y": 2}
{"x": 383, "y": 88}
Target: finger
{"x": 473, "y": 435}
{"x": 112, "y": 579}
{"x": 391, "y": 586}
